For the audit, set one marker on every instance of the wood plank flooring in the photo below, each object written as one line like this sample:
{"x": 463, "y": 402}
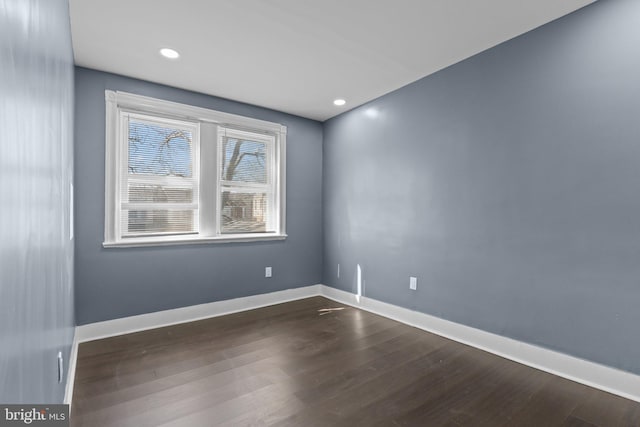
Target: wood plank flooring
{"x": 304, "y": 364}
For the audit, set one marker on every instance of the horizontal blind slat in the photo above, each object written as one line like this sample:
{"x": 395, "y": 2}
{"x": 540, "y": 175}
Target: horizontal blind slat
{"x": 144, "y": 222}
{"x": 159, "y": 206}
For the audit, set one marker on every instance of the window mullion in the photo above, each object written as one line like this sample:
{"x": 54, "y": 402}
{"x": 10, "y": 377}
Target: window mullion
{"x": 208, "y": 161}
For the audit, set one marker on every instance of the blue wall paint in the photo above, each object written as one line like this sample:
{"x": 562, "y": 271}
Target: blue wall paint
{"x": 113, "y": 283}
{"x": 509, "y": 184}
{"x": 36, "y": 169}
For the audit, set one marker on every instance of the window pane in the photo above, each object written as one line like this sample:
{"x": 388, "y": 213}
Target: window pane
{"x": 244, "y": 212}
{"x": 141, "y": 193}
{"x": 244, "y": 160}
{"x": 159, "y": 150}
{"x": 159, "y": 221}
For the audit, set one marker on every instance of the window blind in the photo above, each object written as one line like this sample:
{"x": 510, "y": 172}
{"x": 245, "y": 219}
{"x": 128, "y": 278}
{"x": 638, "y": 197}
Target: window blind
{"x": 159, "y": 191}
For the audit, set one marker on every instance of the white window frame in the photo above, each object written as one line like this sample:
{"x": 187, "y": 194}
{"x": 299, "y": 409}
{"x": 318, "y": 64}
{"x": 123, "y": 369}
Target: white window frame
{"x": 210, "y": 127}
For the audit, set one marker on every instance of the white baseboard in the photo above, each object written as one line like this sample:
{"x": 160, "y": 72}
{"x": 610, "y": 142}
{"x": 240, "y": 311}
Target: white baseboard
{"x": 595, "y": 375}
{"x": 158, "y": 319}
{"x": 71, "y": 370}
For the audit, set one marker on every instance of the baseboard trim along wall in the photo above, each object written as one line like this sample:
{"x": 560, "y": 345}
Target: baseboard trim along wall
{"x": 158, "y": 319}
{"x": 595, "y": 375}
{"x": 71, "y": 371}
{"x": 582, "y": 371}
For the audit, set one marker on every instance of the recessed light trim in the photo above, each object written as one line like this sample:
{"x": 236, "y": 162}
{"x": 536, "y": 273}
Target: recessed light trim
{"x": 169, "y": 53}
{"x": 339, "y": 102}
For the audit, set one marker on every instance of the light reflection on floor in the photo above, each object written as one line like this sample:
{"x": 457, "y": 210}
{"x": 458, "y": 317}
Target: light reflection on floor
{"x": 324, "y": 311}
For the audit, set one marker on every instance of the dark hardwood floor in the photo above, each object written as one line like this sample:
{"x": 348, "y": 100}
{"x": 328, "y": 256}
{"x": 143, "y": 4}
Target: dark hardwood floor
{"x": 304, "y": 364}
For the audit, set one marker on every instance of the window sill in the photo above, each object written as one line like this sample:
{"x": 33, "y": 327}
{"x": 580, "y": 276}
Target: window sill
{"x": 181, "y": 240}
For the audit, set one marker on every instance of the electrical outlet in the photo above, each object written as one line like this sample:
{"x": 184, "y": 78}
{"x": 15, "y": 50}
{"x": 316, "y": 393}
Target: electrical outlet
{"x": 267, "y": 272}
{"x": 413, "y": 283}
{"x": 60, "y": 367}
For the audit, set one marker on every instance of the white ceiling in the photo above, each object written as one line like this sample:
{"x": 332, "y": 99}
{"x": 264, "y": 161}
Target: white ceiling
{"x": 296, "y": 55}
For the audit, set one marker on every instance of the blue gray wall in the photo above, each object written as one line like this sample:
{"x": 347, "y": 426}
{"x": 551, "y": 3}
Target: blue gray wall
{"x": 36, "y": 170}
{"x": 118, "y": 282}
{"x": 509, "y": 184}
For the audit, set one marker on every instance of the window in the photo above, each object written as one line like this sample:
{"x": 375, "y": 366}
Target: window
{"x": 182, "y": 174}
{"x": 159, "y": 188}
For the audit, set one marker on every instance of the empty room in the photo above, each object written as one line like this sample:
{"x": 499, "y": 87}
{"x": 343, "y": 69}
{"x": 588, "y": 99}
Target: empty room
{"x": 320, "y": 213}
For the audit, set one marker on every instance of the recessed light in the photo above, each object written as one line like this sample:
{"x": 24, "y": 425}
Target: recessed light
{"x": 169, "y": 53}
{"x": 339, "y": 102}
